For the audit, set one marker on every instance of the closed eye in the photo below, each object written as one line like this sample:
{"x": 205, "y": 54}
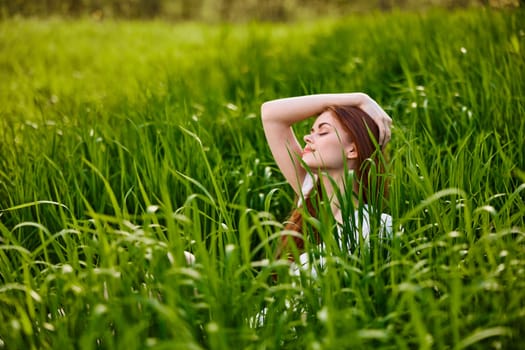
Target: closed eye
{"x": 323, "y": 127}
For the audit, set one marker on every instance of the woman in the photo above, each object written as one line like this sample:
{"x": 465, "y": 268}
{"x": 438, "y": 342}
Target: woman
{"x": 348, "y": 134}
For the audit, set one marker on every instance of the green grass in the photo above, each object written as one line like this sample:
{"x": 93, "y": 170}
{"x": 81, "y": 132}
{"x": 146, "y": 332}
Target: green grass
{"x": 124, "y": 143}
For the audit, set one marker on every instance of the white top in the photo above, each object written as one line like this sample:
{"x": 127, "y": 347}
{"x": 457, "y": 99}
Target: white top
{"x": 361, "y": 221}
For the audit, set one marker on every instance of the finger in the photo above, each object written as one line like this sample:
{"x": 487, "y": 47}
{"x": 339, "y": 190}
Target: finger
{"x": 386, "y": 139}
{"x": 382, "y": 133}
{"x": 388, "y": 132}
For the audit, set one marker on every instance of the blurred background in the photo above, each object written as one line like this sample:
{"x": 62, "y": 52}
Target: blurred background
{"x": 225, "y": 10}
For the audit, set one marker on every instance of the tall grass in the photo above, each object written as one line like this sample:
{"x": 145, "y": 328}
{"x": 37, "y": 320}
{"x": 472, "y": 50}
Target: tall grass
{"x": 125, "y": 143}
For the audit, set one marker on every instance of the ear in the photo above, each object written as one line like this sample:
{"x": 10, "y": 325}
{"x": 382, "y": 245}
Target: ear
{"x": 351, "y": 151}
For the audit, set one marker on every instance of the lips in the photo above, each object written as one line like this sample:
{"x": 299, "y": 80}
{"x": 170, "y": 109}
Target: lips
{"x": 307, "y": 150}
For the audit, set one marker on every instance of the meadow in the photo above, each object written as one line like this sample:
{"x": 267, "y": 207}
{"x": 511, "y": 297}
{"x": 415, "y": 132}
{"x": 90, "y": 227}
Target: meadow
{"x": 123, "y": 143}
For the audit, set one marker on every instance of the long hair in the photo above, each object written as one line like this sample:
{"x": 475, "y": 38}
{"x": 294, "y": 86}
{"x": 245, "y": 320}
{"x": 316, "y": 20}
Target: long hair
{"x": 364, "y": 132}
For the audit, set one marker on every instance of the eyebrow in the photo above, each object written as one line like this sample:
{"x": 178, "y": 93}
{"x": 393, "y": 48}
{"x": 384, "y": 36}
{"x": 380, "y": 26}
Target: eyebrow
{"x": 321, "y": 125}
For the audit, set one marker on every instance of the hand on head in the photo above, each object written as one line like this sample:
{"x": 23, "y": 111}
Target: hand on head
{"x": 381, "y": 118}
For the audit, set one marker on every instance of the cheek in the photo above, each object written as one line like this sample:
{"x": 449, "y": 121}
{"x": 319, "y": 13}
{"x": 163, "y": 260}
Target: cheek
{"x": 333, "y": 151}
{"x": 333, "y": 145}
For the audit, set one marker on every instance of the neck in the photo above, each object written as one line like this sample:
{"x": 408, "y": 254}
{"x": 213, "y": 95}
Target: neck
{"x": 334, "y": 183}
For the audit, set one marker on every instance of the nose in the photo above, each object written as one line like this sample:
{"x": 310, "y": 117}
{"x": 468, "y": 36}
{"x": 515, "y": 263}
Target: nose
{"x": 307, "y": 138}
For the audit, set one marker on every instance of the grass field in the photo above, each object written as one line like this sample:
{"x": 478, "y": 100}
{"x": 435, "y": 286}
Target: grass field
{"x": 124, "y": 143}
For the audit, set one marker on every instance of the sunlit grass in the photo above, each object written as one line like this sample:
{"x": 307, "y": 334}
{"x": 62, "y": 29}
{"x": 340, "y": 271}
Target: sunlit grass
{"x": 125, "y": 143}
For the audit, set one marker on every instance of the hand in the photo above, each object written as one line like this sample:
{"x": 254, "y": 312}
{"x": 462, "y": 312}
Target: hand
{"x": 380, "y": 117}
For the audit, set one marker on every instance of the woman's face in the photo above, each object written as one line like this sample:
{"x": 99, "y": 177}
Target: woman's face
{"x": 328, "y": 145}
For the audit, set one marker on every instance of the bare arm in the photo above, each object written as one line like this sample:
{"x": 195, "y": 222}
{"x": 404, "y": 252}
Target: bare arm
{"x": 278, "y": 116}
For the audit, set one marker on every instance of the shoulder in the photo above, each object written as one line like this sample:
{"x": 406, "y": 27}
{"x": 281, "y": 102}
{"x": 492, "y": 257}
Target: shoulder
{"x": 307, "y": 186}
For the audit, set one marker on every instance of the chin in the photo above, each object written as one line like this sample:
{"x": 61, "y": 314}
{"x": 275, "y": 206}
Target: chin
{"x": 311, "y": 166}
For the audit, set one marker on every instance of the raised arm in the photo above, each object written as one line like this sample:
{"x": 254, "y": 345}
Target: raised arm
{"x": 278, "y": 116}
